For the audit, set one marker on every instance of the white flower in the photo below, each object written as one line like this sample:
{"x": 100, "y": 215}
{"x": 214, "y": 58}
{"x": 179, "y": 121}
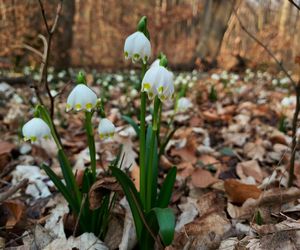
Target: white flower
{"x": 215, "y": 77}
{"x": 158, "y": 81}
{"x": 183, "y": 104}
{"x": 106, "y": 128}
{"x": 81, "y": 97}
{"x": 288, "y": 101}
{"x": 155, "y": 63}
{"x": 137, "y": 47}
{"x": 36, "y": 129}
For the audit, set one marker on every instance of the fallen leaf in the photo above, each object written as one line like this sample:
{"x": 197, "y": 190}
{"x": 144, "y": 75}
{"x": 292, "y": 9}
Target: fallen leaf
{"x": 249, "y": 168}
{"x": 202, "y": 178}
{"x": 239, "y": 192}
{"x": 100, "y": 188}
{"x": 15, "y": 209}
{"x": 254, "y": 151}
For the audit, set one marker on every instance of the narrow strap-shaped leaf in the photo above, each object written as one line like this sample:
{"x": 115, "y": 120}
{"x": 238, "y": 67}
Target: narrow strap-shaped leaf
{"x": 68, "y": 175}
{"x": 165, "y": 193}
{"x": 132, "y": 198}
{"x": 132, "y": 123}
{"x": 60, "y": 186}
{"x": 166, "y": 222}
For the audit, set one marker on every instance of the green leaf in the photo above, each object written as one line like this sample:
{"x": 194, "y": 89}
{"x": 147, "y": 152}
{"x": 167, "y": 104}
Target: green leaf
{"x": 60, "y": 186}
{"x": 132, "y": 123}
{"x": 227, "y": 151}
{"x": 132, "y": 198}
{"x": 68, "y": 175}
{"x": 166, "y": 222}
{"x": 165, "y": 193}
{"x": 151, "y": 168}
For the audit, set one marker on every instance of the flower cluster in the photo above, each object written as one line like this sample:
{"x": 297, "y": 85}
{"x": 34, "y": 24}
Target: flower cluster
{"x": 80, "y": 98}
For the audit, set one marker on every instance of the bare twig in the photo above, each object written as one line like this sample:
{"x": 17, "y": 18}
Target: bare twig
{"x": 296, "y": 5}
{"x": 47, "y": 47}
{"x": 12, "y": 190}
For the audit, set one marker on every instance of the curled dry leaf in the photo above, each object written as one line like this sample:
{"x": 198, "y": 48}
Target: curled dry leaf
{"x": 100, "y": 188}
{"x": 239, "y": 192}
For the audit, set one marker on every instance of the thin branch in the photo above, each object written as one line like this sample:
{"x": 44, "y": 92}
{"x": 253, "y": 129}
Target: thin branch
{"x": 47, "y": 46}
{"x": 279, "y": 64}
{"x": 296, "y": 5}
{"x": 44, "y": 16}
{"x": 5, "y": 195}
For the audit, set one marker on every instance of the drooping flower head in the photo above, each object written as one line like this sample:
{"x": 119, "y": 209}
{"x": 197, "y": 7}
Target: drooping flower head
{"x": 183, "y": 104}
{"x": 137, "y": 47}
{"x": 106, "y": 128}
{"x": 36, "y": 129}
{"x": 158, "y": 81}
{"x": 81, "y": 97}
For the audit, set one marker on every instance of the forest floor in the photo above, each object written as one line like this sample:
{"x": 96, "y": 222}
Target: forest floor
{"x": 231, "y": 149}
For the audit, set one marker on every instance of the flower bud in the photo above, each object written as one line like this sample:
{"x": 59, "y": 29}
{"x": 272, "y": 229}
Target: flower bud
{"x": 158, "y": 81}
{"x": 183, "y": 104}
{"x": 137, "y": 47}
{"x": 36, "y": 129}
{"x": 106, "y": 128}
{"x": 81, "y": 97}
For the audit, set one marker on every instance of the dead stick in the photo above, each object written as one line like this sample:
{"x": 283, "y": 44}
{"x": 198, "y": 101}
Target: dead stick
{"x": 12, "y": 190}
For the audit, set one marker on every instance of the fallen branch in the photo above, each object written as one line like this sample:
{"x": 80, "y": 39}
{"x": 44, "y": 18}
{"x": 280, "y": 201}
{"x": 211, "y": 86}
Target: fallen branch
{"x": 5, "y": 195}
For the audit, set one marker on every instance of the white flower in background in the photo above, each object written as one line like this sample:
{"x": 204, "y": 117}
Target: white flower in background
{"x": 36, "y": 129}
{"x": 137, "y": 47}
{"x": 284, "y": 80}
{"x": 275, "y": 81}
{"x": 158, "y": 81}
{"x": 183, "y": 104}
{"x": 288, "y": 101}
{"x": 81, "y": 97}
{"x": 215, "y": 77}
{"x": 155, "y": 63}
{"x": 106, "y": 128}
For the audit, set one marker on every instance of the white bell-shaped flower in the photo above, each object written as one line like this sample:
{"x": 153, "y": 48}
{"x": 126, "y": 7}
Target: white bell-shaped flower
{"x": 106, "y": 128}
{"x": 155, "y": 63}
{"x": 81, "y": 97}
{"x": 137, "y": 47}
{"x": 36, "y": 129}
{"x": 158, "y": 81}
{"x": 183, "y": 104}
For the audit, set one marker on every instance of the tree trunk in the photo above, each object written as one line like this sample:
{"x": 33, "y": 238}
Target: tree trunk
{"x": 216, "y": 17}
{"x": 285, "y": 13}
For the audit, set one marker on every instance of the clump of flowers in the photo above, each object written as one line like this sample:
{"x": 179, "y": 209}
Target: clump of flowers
{"x": 81, "y": 99}
{"x": 154, "y": 221}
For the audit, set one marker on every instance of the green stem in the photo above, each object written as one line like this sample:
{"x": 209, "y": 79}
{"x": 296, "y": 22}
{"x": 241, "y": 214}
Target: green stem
{"x": 142, "y": 138}
{"x": 152, "y": 154}
{"x": 91, "y": 141}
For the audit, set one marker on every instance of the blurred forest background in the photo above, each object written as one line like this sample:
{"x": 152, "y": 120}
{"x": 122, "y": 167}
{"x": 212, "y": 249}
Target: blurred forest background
{"x": 193, "y": 33}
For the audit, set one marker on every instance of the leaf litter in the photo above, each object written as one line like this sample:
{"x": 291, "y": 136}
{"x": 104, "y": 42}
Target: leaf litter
{"x": 231, "y": 189}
